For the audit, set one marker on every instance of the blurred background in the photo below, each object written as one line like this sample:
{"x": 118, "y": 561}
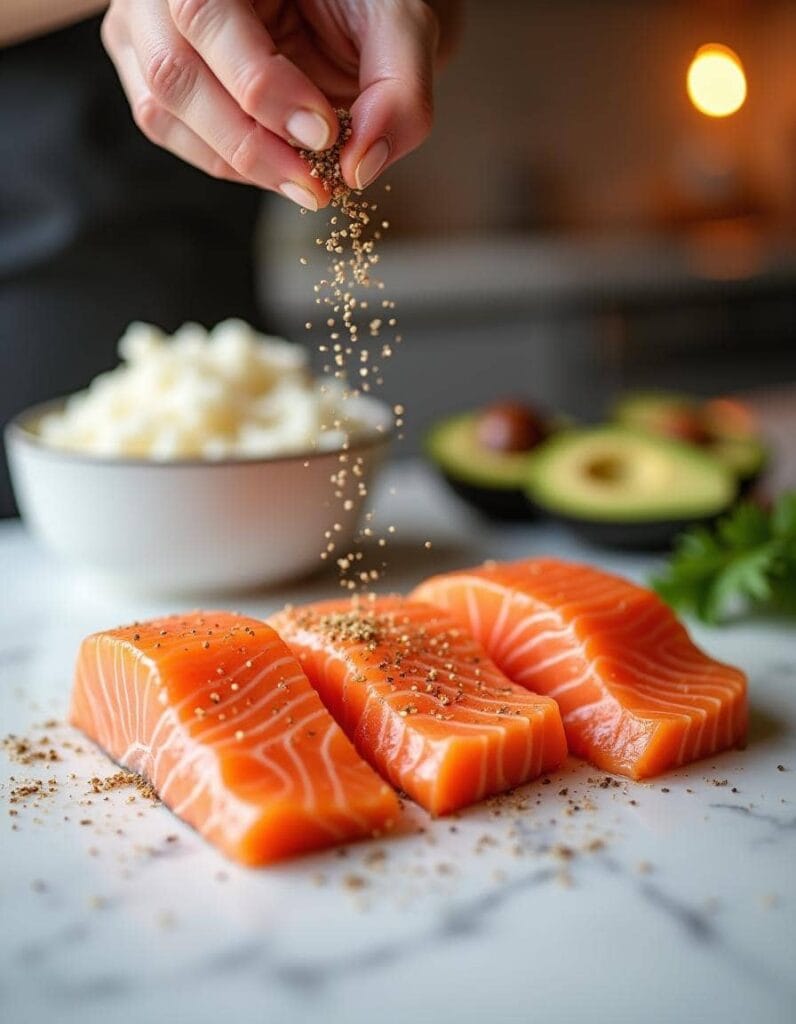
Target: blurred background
{"x": 577, "y": 224}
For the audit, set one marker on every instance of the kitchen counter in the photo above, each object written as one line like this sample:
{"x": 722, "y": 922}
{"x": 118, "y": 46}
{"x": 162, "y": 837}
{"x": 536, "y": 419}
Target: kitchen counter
{"x": 584, "y": 898}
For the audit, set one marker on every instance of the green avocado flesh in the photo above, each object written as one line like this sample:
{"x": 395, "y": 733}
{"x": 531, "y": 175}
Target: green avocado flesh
{"x": 746, "y": 458}
{"x": 613, "y": 474}
{"x": 455, "y": 448}
{"x": 648, "y": 410}
{"x": 654, "y": 413}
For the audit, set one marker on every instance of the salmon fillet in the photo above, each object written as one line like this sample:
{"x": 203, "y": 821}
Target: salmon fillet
{"x": 636, "y": 695}
{"x": 421, "y": 700}
{"x": 215, "y": 711}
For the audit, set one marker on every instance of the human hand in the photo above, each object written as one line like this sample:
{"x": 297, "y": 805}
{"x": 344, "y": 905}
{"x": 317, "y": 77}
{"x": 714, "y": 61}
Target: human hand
{"x": 228, "y": 85}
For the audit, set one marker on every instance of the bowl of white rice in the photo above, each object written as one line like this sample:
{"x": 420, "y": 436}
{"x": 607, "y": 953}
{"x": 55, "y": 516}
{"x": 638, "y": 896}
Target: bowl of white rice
{"x": 204, "y": 461}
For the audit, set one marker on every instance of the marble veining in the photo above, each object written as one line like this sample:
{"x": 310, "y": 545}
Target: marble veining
{"x": 584, "y": 898}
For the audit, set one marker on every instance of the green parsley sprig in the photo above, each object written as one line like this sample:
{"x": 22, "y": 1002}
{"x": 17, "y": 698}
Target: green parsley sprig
{"x": 747, "y": 561}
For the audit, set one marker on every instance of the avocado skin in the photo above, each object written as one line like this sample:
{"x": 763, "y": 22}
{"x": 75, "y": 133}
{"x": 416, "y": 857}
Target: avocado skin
{"x": 504, "y": 498}
{"x": 493, "y": 502}
{"x": 654, "y": 535}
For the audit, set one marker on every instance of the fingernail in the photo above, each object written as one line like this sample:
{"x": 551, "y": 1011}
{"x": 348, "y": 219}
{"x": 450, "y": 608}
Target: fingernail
{"x": 299, "y": 195}
{"x": 308, "y": 129}
{"x": 371, "y": 163}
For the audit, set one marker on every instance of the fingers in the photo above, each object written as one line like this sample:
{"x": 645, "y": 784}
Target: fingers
{"x": 163, "y": 128}
{"x": 182, "y": 106}
{"x": 237, "y": 48}
{"x": 393, "y": 113}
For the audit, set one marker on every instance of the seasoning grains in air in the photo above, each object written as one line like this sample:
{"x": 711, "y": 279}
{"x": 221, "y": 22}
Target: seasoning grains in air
{"x": 355, "y": 320}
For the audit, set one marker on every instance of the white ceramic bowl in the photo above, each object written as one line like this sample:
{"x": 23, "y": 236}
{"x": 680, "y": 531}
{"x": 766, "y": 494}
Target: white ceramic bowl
{"x": 188, "y": 526}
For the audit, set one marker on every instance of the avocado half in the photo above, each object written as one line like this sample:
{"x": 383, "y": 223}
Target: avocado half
{"x": 715, "y": 429}
{"x": 625, "y": 488}
{"x": 492, "y": 481}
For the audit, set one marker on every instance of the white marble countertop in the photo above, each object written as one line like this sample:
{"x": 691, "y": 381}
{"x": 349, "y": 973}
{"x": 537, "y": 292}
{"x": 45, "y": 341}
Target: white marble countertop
{"x": 674, "y": 901}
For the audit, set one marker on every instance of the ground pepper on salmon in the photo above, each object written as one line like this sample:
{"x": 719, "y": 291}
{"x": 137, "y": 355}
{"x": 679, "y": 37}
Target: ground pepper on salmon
{"x": 637, "y": 696}
{"x": 421, "y": 700}
{"x": 215, "y": 711}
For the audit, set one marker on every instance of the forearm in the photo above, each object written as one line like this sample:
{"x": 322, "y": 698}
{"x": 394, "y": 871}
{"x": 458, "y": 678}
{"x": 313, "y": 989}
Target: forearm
{"x": 22, "y": 19}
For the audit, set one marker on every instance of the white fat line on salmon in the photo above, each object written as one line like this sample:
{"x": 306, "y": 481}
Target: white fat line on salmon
{"x": 569, "y": 632}
{"x": 206, "y": 781}
{"x": 482, "y": 777}
{"x": 168, "y": 733}
{"x": 125, "y": 715}
{"x": 530, "y": 672}
{"x": 209, "y": 729}
{"x": 500, "y": 620}
{"x": 695, "y": 681}
{"x": 140, "y": 695}
{"x": 213, "y": 685}
{"x": 694, "y": 731}
{"x": 616, "y": 623}
{"x": 132, "y": 699}
{"x": 295, "y": 726}
{"x": 694, "y": 711}
{"x": 391, "y": 695}
{"x": 229, "y": 818}
{"x": 686, "y": 717}
{"x": 394, "y": 700}
{"x": 573, "y": 684}
{"x": 100, "y": 708}
{"x": 138, "y": 758}
{"x": 490, "y": 687}
{"x": 661, "y": 684}
{"x": 552, "y": 660}
{"x": 150, "y": 692}
{"x": 179, "y": 745}
{"x": 226, "y": 803}
{"x": 263, "y": 727}
{"x": 187, "y": 706}
{"x": 334, "y": 778}
{"x": 490, "y": 677}
{"x": 569, "y": 629}
{"x": 525, "y": 625}
{"x": 473, "y": 611}
{"x": 310, "y": 794}
{"x": 562, "y": 639}
{"x": 683, "y": 658}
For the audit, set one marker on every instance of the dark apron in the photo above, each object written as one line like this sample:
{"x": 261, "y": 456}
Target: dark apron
{"x": 98, "y": 226}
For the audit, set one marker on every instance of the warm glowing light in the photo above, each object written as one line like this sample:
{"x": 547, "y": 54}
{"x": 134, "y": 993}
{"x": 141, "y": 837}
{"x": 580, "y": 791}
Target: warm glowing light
{"x": 716, "y": 81}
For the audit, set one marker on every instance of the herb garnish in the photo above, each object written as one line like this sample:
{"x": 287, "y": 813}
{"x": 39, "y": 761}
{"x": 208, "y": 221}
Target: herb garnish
{"x": 748, "y": 560}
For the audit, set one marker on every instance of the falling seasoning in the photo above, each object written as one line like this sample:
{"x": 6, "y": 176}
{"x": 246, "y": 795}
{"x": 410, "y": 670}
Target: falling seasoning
{"x": 345, "y": 294}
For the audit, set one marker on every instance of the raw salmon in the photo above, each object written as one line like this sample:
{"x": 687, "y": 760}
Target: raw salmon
{"x": 421, "y": 699}
{"x": 215, "y": 712}
{"x": 636, "y": 695}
